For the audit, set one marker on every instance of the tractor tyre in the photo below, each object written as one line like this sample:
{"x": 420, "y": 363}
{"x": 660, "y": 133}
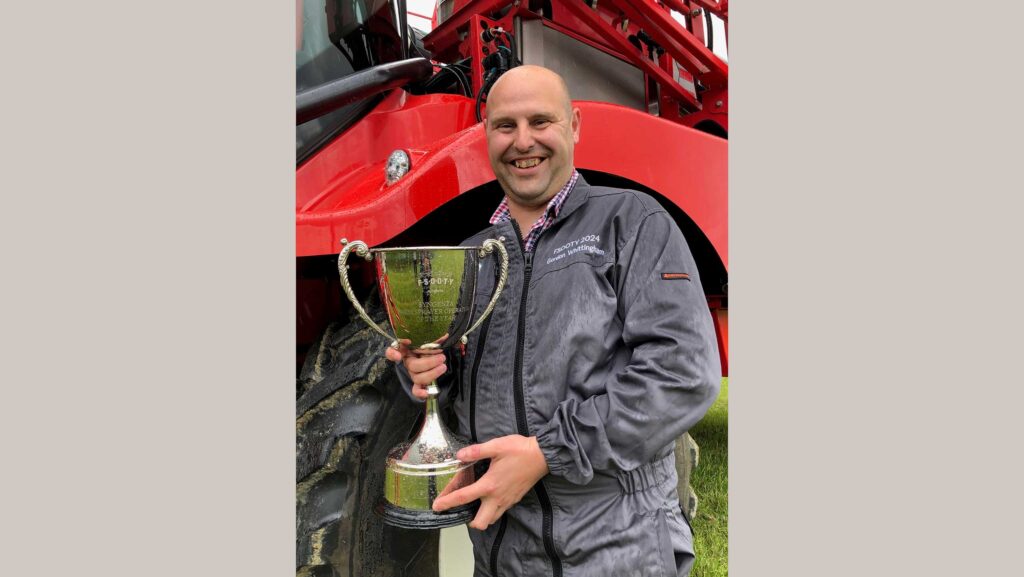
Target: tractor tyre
{"x": 687, "y": 456}
{"x": 350, "y": 412}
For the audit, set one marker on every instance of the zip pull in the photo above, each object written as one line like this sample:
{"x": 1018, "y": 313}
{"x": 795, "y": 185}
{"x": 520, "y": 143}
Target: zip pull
{"x": 529, "y": 260}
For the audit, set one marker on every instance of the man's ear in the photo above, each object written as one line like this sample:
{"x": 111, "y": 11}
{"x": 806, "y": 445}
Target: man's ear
{"x": 576, "y": 125}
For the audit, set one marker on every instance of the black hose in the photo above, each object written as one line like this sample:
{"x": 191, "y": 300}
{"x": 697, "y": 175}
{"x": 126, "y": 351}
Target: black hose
{"x": 512, "y": 47}
{"x": 496, "y": 63}
{"x": 465, "y": 80}
{"x": 711, "y": 35}
{"x": 459, "y": 77}
{"x": 403, "y": 21}
{"x": 488, "y": 35}
{"x": 330, "y": 96}
{"x": 492, "y": 75}
{"x": 441, "y": 82}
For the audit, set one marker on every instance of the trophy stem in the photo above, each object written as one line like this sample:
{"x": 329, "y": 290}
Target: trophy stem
{"x": 420, "y": 471}
{"x": 432, "y": 391}
{"x": 433, "y": 431}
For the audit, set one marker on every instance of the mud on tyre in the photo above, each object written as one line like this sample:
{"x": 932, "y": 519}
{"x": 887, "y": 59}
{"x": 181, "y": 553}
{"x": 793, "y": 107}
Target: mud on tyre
{"x": 349, "y": 412}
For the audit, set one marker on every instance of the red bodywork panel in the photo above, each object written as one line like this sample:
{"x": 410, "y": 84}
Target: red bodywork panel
{"x": 341, "y": 191}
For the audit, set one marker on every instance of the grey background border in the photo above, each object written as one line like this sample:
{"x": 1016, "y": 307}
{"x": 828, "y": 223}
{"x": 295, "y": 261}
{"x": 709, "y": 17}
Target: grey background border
{"x": 874, "y": 240}
{"x": 147, "y": 417}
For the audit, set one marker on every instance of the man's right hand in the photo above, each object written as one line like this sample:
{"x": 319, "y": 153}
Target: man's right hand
{"x": 424, "y": 366}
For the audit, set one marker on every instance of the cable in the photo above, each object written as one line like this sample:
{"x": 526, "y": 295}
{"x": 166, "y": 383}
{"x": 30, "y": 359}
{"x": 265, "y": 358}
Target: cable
{"x": 513, "y": 52}
{"x": 465, "y": 79}
{"x": 711, "y": 35}
{"x": 488, "y": 81}
{"x": 459, "y": 77}
{"x": 495, "y": 63}
{"x": 511, "y": 40}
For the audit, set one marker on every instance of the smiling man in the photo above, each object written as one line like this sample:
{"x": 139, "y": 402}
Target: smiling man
{"x": 531, "y": 130}
{"x": 599, "y": 354}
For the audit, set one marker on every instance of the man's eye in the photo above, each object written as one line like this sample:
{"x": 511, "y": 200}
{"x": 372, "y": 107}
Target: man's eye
{"x": 541, "y": 122}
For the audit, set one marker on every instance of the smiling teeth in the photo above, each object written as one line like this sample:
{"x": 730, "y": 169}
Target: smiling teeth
{"x": 527, "y": 163}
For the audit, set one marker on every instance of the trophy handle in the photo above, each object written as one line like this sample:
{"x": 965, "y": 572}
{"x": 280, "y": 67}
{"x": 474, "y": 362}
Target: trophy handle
{"x": 362, "y": 250}
{"x": 487, "y": 248}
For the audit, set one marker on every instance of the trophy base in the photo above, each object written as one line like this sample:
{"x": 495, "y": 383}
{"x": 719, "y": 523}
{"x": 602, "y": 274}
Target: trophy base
{"x": 410, "y": 519}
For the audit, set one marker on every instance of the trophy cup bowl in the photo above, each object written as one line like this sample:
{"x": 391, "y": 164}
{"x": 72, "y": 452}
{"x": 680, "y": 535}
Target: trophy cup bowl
{"x": 428, "y": 293}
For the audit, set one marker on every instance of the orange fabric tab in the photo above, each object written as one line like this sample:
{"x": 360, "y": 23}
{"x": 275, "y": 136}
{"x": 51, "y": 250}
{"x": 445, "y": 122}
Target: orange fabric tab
{"x": 674, "y": 275}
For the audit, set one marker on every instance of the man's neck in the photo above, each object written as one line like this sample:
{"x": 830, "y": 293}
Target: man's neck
{"x": 525, "y": 217}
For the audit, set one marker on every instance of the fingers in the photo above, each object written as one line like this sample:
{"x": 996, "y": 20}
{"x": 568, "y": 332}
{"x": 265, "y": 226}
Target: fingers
{"x": 422, "y": 363}
{"x": 419, "y": 390}
{"x": 424, "y": 366}
{"x": 488, "y": 513}
{"x": 420, "y": 381}
{"x": 462, "y": 496}
{"x": 490, "y": 507}
{"x": 488, "y": 450}
{"x": 517, "y": 463}
{"x": 396, "y": 355}
{"x": 463, "y": 478}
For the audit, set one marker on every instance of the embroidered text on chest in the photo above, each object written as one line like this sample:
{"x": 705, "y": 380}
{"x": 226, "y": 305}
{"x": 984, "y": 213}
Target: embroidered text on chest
{"x": 586, "y": 243}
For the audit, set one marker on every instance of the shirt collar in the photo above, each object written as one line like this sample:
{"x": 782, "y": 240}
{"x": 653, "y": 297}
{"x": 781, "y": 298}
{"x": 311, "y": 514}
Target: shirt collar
{"x": 554, "y": 205}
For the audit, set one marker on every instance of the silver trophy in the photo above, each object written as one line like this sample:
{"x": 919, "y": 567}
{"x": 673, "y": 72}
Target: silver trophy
{"x": 428, "y": 293}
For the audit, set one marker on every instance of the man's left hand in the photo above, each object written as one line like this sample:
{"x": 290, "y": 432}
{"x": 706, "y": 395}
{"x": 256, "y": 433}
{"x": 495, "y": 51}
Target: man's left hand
{"x": 516, "y": 465}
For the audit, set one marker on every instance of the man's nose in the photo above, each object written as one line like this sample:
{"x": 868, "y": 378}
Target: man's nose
{"x": 524, "y": 139}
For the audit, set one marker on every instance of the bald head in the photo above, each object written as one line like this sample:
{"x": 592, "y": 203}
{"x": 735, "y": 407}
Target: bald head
{"x": 537, "y": 76}
{"x": 531, "y": 130}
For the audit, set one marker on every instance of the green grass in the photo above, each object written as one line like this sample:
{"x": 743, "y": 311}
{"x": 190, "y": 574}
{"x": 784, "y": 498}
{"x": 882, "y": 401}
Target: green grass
{"x": 711, "y": 482}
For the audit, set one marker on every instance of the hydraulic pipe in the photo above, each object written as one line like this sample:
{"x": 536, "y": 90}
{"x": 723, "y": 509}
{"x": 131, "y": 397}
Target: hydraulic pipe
{"x": 328, "y": 97}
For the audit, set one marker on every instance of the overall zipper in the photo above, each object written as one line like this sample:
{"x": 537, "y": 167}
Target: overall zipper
{"x": 476, "y": 368}
{"x": 472, "y": 423}
{"x": 472, "y": 380}
{"x": 523, "y": 427}
{"x": 497, "y": 545}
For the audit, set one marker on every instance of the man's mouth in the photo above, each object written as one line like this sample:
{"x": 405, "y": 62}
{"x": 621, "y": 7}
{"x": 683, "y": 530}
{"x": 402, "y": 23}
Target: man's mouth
{"x": 526, "y": 162}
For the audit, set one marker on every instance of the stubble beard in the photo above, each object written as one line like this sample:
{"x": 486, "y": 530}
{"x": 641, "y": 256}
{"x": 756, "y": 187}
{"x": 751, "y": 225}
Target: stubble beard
{"x": 530, "y": 197}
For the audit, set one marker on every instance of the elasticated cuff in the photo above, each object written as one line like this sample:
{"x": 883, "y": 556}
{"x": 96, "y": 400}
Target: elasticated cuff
{"x": 561, "y": 459}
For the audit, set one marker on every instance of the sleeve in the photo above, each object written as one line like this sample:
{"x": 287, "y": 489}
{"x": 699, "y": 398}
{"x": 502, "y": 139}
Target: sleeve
{"x": 673, "y": 374}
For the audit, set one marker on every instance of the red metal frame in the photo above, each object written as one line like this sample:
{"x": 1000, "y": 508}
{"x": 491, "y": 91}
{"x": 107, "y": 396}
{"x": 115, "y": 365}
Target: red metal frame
{"x": 695, "y": 28}
{"x": 607, "y": 28}
{"x": 342, "y": 192}
{"x": 445, "y": 36}
{"x": 716, "y": 110}
{"x": 595, "y": 22}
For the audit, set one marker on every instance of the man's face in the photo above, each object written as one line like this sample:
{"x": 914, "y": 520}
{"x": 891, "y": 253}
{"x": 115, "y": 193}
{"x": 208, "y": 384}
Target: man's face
{"x": 531, "y": 133}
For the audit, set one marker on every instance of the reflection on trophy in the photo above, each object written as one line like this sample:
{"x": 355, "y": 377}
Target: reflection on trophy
{"x": 428, "y": 293}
